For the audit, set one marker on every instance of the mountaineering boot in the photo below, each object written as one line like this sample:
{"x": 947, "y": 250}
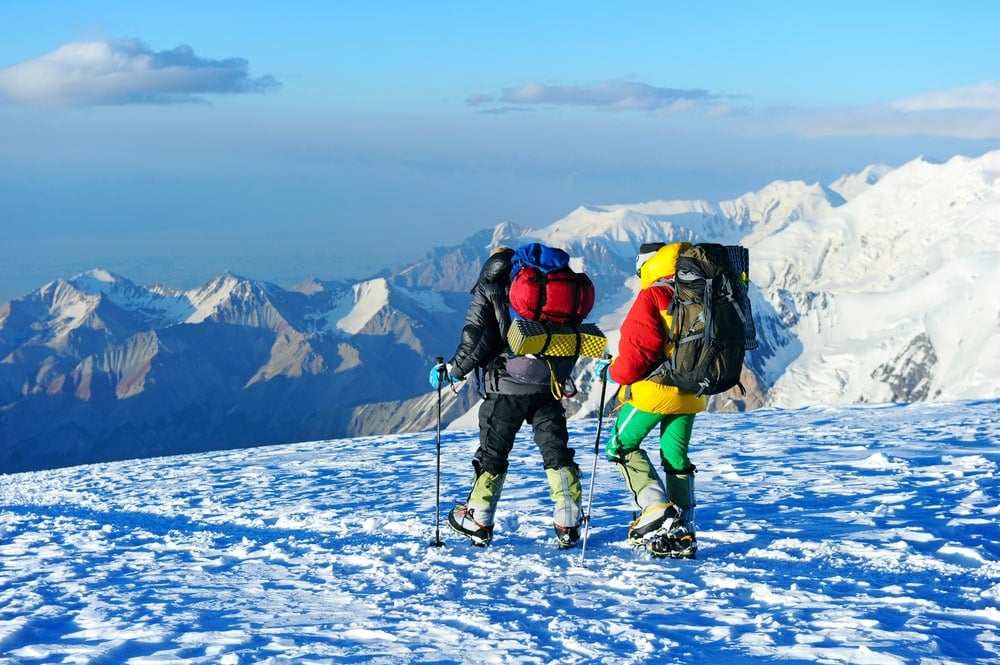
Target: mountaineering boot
{"x": 462, "y": 519}
{"x": 675, "y": 542}
{"x": 679, "y": 542}
{"x": 649, "y": 521}
{"x": 648, "y": 493}
{"x": 475, "y": 518}
{"x": 567, "y": 537}
{"x": 566, "y": 493}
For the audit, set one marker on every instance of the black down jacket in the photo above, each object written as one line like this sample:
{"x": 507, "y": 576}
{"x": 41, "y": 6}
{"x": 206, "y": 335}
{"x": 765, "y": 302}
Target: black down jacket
{"x": 483, "y": 343}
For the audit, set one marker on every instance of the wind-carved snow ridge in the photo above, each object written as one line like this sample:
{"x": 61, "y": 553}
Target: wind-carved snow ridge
{"x": 863, "y": 534}
{"x": 369, "y": 299}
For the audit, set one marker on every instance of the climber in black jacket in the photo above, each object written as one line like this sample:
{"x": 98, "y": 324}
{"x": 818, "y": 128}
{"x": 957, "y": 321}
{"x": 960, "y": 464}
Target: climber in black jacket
{"x": 516, "y": 390}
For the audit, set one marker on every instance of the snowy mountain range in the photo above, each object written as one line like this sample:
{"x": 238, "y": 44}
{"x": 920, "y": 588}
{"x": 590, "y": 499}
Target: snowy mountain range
{"x": 878, "y": 287}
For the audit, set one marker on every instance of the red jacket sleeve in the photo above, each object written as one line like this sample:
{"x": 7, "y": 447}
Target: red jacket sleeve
{"x": 640, "y": 348}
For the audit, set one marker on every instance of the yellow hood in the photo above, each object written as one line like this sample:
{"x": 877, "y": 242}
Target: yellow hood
{"x": 661, "y": 264}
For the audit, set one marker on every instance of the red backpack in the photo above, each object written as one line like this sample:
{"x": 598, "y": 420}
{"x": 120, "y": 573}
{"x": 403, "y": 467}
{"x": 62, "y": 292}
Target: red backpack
{"x": 544, "y": 288}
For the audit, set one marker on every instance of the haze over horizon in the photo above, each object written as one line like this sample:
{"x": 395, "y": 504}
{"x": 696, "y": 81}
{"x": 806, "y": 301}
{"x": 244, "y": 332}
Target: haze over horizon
{"x": 170, "y": 143}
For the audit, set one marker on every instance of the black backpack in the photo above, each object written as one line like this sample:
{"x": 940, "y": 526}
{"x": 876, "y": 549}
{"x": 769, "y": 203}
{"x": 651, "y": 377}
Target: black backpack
{"x": 712, "y": 323}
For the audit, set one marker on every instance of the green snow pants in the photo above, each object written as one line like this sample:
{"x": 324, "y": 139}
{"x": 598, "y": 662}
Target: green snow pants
{"x": 633, "y": 425}
{"x": 627, "y": 434}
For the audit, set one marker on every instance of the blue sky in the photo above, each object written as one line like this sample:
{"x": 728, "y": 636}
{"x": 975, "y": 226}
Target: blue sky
{"x": 172, "y": 141}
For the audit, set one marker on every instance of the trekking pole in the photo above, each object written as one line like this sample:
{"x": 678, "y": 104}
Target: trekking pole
{"x": 437, "y": 516}
{"x": 593, "y": 473}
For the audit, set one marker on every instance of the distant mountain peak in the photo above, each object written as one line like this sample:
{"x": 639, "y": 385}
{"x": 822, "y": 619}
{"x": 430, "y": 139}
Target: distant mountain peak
{"x": 100, "y": 280}
{"x": 504, "y": 231}
{"x": 308, "y": 286}
{"x": 852, "y": 185}
{"x": 102, "y": 275}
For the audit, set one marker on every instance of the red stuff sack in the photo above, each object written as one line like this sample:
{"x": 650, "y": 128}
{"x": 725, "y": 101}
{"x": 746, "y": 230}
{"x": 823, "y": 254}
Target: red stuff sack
{"x": 560, "y": 296}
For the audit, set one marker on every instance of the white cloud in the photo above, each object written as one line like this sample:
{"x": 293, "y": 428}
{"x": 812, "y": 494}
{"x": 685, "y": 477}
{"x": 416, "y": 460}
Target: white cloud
{"x": 971, "y": 112}
{"x": 124, "y": 71}
{"x": 609, "y": 95}
{"x": 964, "y": 113}
{"x": 984, "y": 96}
{"x": 476, "y": 99}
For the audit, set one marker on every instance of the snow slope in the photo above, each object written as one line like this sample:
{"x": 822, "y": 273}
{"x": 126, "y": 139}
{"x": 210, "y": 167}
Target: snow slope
{"x": 829, "y": 534}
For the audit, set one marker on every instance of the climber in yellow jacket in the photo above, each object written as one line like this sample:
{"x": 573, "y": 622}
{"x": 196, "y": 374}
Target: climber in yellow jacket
{"x": 666, "y": 521}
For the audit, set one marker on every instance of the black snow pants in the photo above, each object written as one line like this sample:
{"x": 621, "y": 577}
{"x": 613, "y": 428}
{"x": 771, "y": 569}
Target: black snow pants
{"x": 500, "y": 419}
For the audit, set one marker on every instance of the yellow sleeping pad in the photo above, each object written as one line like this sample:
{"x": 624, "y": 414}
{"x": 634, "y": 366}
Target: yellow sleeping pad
{"x": 542, "y": 338}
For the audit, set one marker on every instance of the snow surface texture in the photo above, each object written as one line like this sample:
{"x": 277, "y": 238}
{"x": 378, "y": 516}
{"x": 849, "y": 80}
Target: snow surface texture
{"x": 848, "y": 534}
